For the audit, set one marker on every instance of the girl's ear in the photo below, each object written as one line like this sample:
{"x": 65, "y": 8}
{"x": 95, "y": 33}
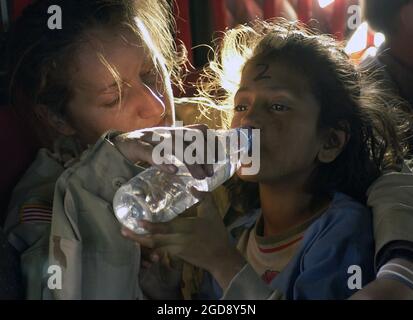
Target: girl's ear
{"x": 335, "y": 141}
{"x": 56, "y": 122}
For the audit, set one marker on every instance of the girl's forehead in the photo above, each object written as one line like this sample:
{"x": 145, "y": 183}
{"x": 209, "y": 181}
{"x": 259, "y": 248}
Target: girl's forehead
{"x": 267, "y": 72}
{"x": 261, "y": 69}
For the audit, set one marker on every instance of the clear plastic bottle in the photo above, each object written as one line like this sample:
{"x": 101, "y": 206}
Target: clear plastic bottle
{"x": 157, "y": 196}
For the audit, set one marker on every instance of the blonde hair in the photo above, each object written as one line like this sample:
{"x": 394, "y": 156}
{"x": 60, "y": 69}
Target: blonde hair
{"x": 40, "y": 58}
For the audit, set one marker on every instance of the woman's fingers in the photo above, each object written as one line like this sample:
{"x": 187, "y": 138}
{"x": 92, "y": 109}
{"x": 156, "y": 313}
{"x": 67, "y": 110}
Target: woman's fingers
{"x": 208, "y": 149}
{"x": 174, "y": 141}
{"x": 134, "y": 150}
{"x": 186, "y": 141}
{"x": 140, "y": 151}
{"x": 198, "y": 194}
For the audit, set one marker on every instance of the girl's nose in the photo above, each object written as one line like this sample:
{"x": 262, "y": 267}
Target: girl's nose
{"x": 251, "y": 118}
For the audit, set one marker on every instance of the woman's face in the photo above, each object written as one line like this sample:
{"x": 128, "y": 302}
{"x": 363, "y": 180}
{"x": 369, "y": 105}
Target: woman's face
{"x": 96, "y": 108}
{"x": 274, "y": 98}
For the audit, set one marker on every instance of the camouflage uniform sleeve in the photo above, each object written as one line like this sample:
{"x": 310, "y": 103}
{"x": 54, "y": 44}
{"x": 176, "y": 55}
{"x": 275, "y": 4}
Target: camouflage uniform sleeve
{"x": 31, "y": 238}
{"x": 391, "y": 198}
{"x": 28, "y": 221}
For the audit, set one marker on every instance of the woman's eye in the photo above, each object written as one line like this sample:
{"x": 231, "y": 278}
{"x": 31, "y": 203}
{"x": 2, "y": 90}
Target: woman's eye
{"x": 152, "y": 80}
{"x": 279, "y": 107}
{"x": 240, "y": 108}
{"x": 112, "y": 103}
{"x": 149, "y": 78}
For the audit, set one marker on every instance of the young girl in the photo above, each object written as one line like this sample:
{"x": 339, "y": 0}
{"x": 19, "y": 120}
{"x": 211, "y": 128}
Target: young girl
{"x": 326, "y": 135}
{"x": 108, "y": 68}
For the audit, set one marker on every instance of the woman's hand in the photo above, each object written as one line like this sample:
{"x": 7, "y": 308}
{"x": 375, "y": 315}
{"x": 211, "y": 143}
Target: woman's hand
{"x": 202, "y": 241}
{"x": 139, "y": 146}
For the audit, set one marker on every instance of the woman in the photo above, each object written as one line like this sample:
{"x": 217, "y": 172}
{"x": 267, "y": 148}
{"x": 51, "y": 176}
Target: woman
{"x": 108, "y": 68}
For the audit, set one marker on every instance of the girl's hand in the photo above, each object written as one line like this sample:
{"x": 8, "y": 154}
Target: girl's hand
{"x": 202, "y": 241}
{"x": 162, "y": 279}
{"x": 138, "y": 146}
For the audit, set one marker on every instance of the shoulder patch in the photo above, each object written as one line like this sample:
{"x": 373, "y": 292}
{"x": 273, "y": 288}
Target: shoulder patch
{"x": 36, "y": 213}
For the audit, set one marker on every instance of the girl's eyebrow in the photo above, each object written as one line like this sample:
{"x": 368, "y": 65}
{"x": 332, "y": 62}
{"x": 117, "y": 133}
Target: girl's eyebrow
{"x": 272, "y": 88}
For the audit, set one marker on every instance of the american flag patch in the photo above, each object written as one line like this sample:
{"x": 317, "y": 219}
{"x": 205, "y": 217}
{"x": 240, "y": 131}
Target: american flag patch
{"x": 36, "y": 214}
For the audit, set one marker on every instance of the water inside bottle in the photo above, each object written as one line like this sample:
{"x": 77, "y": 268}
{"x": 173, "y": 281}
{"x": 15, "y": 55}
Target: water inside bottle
{"x": 159, "y": 197}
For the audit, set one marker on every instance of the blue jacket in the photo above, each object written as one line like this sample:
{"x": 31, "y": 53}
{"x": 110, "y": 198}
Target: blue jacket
{"x": 335, "y": 249}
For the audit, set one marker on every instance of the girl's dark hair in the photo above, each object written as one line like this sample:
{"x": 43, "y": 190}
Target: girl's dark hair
{"x": 348, "y": 99}
{"x": 40, "y": 59}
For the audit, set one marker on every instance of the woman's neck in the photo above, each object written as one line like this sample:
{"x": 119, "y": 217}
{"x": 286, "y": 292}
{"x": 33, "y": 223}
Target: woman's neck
{"x": 285, "y": 207}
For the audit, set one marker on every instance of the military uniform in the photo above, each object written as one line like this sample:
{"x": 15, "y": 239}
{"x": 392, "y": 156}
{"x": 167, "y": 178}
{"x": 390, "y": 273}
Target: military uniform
{"x": 30, "y": 212}
{"x": 85, "y": 240}
{"x": 391, "y": 199}
{"x": 97, "y": 262}
{"x": 82, "y": 236}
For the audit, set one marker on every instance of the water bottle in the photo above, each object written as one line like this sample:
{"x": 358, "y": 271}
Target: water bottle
{"x": 156, "y": 196}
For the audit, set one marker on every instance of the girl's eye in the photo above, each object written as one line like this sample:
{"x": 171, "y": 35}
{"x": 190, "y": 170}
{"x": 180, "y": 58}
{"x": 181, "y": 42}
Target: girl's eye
{"x": 279, "y": 107}
{"x": 240, "y": 108}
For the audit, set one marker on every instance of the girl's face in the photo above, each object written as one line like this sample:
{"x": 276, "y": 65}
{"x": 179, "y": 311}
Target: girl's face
{"x": 277, "y": 100}
{"x": 95, "y": 108}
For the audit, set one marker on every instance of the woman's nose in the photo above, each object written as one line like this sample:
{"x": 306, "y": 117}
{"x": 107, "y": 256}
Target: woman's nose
{"x": 150, "y": 103}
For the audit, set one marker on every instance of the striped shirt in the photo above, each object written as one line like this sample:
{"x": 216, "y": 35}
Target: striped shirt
{"x": 270, "y": 255}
